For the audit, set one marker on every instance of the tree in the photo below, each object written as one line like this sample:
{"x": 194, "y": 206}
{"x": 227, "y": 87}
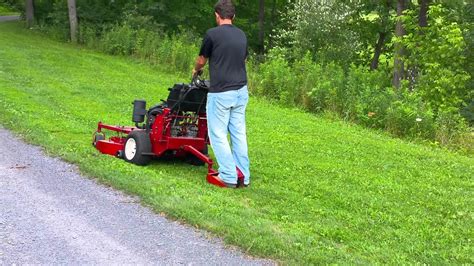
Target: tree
{"x": 72, "y": 19}
{"x": 29, "y": 13}
{"x": 398, "y": 65}
{"x": 378, "y": 50}
{"x": 384, "y": 29}
{"x": 423, "y": 16}
{"x": 325, "y": 29}
{"x": 261, "y": 27}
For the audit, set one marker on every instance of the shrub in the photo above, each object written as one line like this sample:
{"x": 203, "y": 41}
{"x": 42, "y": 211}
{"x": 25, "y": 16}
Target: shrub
{"x": 146, "y": 43}
{"x": 89, "y": 35}
{"x": 436, "y": 59}
{"x": 468, "y": 113}
{"x": 276, "y": 80}
{"x": 139, "y": 37}
{"x": 119, "y": 40}
{"x": 451, "y": 127}
{"x": 307, "y": 74}
{"x": 408, "y": 116}
{"x": 368, "y": 96}
{"x": 328, "y": 89}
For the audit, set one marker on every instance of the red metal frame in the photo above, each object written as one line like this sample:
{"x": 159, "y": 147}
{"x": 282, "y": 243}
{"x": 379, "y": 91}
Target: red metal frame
{"x": 162, "y": 141}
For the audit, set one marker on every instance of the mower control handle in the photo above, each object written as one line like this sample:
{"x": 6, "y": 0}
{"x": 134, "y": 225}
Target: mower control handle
{"x": 196, "y": 79}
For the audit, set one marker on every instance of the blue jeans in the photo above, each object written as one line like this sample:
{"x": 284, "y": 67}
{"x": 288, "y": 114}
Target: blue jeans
{"x": 226, "y": 114}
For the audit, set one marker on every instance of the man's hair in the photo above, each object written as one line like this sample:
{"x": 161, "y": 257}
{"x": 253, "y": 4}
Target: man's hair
{"x": 225, "y": 9}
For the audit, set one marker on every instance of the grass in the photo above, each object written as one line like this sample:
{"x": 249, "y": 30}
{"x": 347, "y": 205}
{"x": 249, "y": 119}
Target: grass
{"x": 322, "y": 191}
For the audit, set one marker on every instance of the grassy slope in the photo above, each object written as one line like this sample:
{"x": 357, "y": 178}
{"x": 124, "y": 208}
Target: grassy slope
{"x": 321, "y": 191}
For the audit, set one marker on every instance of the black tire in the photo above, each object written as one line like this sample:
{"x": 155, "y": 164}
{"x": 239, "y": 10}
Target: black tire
{"x": 137, "y": 143}
{"x": 97, "y": 137}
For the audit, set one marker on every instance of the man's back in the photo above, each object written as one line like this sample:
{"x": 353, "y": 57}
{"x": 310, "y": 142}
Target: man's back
{"x": 226, "y": 48}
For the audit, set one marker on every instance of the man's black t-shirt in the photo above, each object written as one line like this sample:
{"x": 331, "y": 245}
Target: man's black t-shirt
{"x": 226, "y": 47}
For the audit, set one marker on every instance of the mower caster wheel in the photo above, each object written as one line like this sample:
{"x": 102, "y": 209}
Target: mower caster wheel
{"x": 137, "y": 143}
{"x": 97, "y": 136}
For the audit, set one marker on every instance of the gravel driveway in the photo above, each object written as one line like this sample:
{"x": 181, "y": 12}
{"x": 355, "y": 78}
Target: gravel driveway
{"x": 50, "y": 214}
{"x": 9, "y": 18}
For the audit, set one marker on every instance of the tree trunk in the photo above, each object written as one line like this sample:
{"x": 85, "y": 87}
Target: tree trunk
{"x": 72, "y": 19}
{"x": 272, "y": 21}
{"x": 29, "y": 13}
{"x": 378, "y": 50}
{"x": 413, "y": 70}
{"x": 261, "y": 27}
{"x": 423, "y": 16}
{"x": 398, "y": 65}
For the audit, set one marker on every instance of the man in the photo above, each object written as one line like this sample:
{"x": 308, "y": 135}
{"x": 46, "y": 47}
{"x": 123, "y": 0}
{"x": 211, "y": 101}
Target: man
{"x": 225, "y": 46}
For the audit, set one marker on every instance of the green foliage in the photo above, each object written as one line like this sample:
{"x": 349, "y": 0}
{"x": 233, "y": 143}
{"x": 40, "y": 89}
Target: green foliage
{"x": 332, "y": 31}
{"x": 331, "y": 42}
{"x": 7, "y": 9}
{"x": 10, "y": 7}
{"x": 322, "y": 192}
{"x": 170, "y": 17}
{"x": 138, "y": 36}
{"x": 120, "y": 40}
{"x": 357, "y": 95}
{"x": 367, "y": 97}
{"x": 452, "y": 128}
{"x": 276, "y": 81}
{"x": 437, "y": 59}
{"x": 328, "y": 87}
{"x": 468, "y": 112}
{"x": 408, "y": 116}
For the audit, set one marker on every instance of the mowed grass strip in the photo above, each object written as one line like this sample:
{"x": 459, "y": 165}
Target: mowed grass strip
{"x": 321, "y": 192}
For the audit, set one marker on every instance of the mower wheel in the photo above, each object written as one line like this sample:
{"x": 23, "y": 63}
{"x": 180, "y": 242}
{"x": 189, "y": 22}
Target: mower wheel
{"x": 97, "y": 137}
{"x": 137, "y": 143}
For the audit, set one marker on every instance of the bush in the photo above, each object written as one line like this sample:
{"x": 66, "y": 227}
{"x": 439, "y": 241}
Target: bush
{"x": 89, "y": 35}
{"x": 436, "y": 60}
{"x": 329, "y": 87}
{"x": 468, "y": 113}
{"x": 140, "y": 38}
{"x": 307, "y": 74}
{"x": 451, "y": 127}
{"x": 357, "y": 95}
{"x": 410, "y": 117}
{"x": 7, "y": 8}
{"x": 367, "y": 97}
{"x": 119, "y": 40}
{"x": 276, "y": 79}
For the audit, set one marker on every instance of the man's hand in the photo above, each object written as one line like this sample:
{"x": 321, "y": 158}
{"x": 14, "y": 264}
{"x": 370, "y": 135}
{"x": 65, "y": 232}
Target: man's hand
{"x": 197, "y": 72}
{"x": 200, "y": 63}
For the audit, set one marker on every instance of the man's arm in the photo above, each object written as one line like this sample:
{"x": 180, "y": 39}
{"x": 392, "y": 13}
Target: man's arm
{"x": 200, "y": 63}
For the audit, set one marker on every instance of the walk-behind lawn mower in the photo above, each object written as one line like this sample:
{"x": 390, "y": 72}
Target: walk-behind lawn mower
{"x": 175, "y": 128}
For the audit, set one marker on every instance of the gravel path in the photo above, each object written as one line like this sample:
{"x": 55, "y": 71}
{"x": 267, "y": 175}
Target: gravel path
{"x": 50, "y": 214}
{"x": 9, "y": 18}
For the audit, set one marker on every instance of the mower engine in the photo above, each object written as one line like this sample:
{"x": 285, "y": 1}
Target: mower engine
{"x": 176, "y": 127}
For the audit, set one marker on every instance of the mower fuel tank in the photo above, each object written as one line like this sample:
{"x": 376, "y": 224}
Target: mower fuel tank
{"x": 139, "y": 111}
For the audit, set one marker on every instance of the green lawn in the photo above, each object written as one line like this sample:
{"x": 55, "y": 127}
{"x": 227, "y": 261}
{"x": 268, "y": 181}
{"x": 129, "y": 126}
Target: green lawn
{"x": 321, "y": 192}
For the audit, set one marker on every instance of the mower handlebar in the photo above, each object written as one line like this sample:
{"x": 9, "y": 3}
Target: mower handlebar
{"x": 198, "y": 73}
{"x": 196, "y": 78}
